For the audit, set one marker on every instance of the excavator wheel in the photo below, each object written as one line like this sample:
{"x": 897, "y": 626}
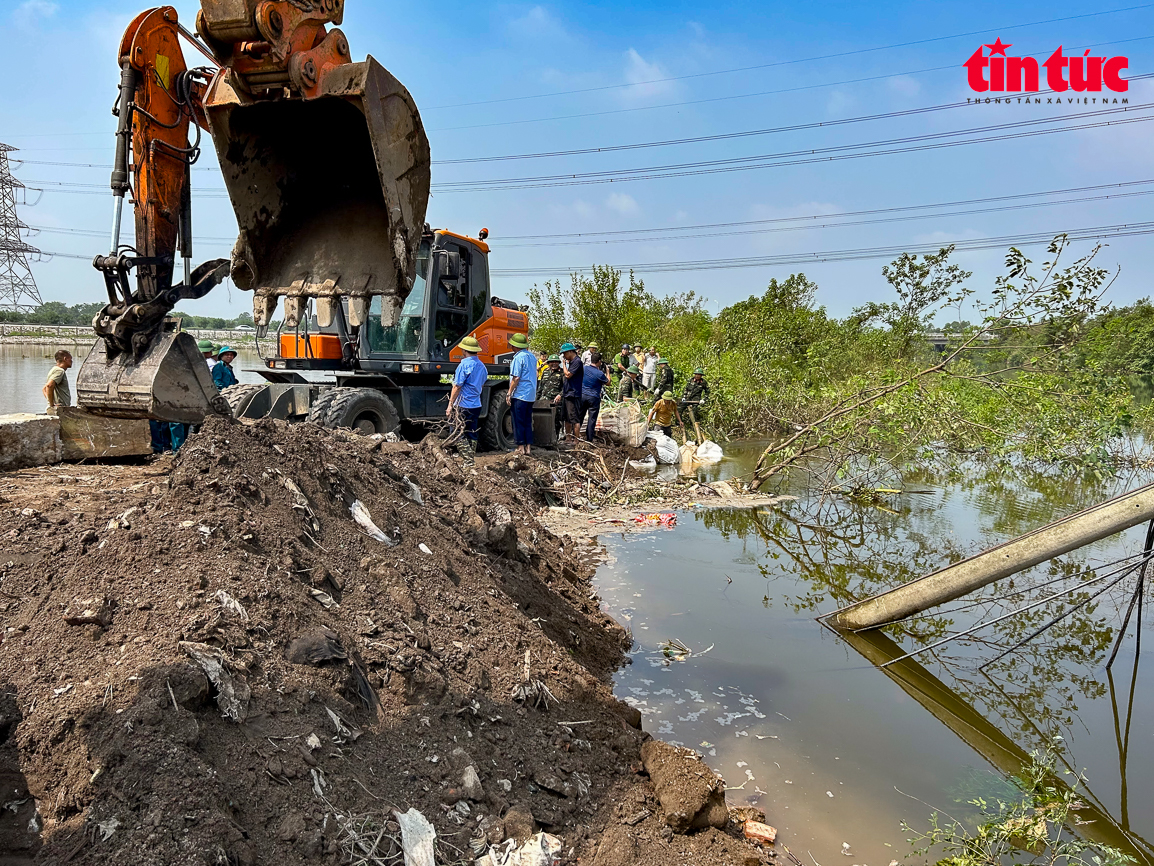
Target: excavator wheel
{"x": 320, "y": 406}
{"x": 497, "y": 426}
{"x": 363, "y": 410}
{"x": 239, "y": 396}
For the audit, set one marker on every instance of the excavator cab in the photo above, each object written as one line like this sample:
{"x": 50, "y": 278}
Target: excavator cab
{"x": 325, "y": 161}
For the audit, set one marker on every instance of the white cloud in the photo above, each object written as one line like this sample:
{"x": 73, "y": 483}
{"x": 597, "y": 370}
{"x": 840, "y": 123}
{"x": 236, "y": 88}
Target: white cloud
{"x": 29, "y": 13}
{"x": 538, "y": 24}
{"x": 624, "y": 204}
{"x": 645, "y": 76}
{"x": 904, "y": 85}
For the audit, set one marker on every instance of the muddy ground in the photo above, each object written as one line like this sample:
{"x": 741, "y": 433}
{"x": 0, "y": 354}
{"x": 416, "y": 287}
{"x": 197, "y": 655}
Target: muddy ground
{"x": 206, "y": 659}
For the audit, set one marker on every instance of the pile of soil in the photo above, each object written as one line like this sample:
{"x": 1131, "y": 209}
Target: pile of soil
{"x": 207, "y": 659}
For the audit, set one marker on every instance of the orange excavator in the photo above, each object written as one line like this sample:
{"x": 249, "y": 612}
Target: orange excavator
{"x": 327, "y": 166}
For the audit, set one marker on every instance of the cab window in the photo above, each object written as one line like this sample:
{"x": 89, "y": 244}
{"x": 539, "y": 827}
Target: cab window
{"x": 405, "y": 336}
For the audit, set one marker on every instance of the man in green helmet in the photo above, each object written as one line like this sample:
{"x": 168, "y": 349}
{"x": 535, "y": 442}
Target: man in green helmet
{"x": 208, "y": 350}
{"x": 468, "y": 382}
{"x": 631, "y": 386}
{"x": 664, "y": 411}
{"x": 696, "y": 390}
{"x": 663, "y": 378}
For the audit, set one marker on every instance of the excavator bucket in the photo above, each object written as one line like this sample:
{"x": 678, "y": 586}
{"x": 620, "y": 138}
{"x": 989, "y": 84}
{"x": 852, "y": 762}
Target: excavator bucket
{"x": 329, "y": 192}
{"x": 169, "y": 382}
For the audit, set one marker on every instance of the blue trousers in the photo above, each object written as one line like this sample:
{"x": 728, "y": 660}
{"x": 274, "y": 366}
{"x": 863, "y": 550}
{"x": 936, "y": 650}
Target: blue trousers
{"x": 161, "y": 440}
{"x": 178, "y": 433}
{"x": 523, "y": 421}
{"x": 472, "y": 419}
{"x": 592, "y": 410}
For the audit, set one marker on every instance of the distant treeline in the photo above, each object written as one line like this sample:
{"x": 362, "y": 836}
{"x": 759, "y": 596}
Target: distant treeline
{"x": 59, "y": 313}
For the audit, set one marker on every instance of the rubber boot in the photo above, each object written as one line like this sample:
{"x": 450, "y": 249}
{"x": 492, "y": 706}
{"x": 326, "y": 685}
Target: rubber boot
{"x": 468, "y": 451}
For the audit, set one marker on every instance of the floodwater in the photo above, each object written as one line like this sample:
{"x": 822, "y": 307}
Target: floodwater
{"x": 24, "y": 369}
{"x": 837, "y": 751}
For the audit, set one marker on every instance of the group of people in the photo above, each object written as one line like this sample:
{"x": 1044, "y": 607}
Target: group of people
{"x": 575, "y": 380}
{"x": 166, "y": 435}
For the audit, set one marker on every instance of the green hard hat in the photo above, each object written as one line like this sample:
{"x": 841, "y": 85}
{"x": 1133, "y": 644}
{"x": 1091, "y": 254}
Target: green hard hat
{"x": 568, "y": 347}
{"x": 205, "y": 346}
{"x": 469, "y": 344}
{"x": 224, "y": 350}
{"x": 668, "y": 395}
{"x": 519, "y": 340}
{"x": 632, "y": 369}
{"x": 661, "y": 361}
{"x": 552, "y": 358}
{"x": 699, "y": 372}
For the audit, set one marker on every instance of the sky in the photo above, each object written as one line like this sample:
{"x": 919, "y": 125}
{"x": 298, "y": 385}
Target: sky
{"x": 506, "y": 79}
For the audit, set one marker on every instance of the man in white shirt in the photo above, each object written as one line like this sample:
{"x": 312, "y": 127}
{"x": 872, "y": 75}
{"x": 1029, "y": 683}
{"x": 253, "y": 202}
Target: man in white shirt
{"x": 650, "y": 368}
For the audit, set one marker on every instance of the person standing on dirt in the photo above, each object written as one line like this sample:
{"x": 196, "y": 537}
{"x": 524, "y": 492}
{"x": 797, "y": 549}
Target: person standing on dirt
{"x": 468, "y": 381}
{"x": 664, "y": 411}
{"x": 663, "y": 378}
{"x": 208, "y": 350}
{"x": 648, "y": 366}
{"x": 222, "y": 373}
{"x": 574, "y": 372}
{"x": 593, "y": 383}
{"x": 56, "y": 390}
{"x": 630, "y": 385}
{"x": 522, "y": 393}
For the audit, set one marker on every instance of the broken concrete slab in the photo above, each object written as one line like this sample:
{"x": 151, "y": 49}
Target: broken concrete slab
{"x": 691, "y": 795}
{"x": 85, "y": 436}
{"x": 29, "y": 440}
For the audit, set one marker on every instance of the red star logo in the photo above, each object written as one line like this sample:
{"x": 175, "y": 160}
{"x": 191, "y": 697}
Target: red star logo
{"x": 999, "y": 47}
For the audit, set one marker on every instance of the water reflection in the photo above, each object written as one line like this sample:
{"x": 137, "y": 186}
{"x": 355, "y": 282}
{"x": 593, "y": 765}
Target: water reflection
{"x": 787, "y": 713}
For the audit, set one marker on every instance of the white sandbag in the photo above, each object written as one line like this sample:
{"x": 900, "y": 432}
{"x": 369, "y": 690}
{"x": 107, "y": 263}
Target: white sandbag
{"x": 623, "y": 423}
{"x": 647, "y": 463}
{"x": 540, "y": 850}
{"x": 418, "y": 838}
{"x": 708, "y": 452}
{"x": 667, "y": 449}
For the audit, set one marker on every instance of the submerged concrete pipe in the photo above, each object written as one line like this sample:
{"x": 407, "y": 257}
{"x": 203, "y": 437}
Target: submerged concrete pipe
{"x": 1023, "y": 552}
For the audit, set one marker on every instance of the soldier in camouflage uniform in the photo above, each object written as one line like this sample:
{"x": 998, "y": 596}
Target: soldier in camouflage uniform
{"x": 696, "y": 393}
{"x": 631, "y": 386}
{"x": 663, "y": 379}
{"x": 549, "y": 386}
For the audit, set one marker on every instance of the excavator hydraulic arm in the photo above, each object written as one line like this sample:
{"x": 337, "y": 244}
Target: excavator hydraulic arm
{"x": 325, "y": 161}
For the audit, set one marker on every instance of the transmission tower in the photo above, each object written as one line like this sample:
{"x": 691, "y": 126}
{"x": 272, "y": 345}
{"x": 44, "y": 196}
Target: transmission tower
{"x": 18, "y": 290}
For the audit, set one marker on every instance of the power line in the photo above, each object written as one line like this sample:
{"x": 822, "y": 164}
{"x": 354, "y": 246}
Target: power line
{"x": 856, "y": 51}
{"x": 804, "y": 222}
{"x": 884, "y": 147}
{"x": 962, "y": 244}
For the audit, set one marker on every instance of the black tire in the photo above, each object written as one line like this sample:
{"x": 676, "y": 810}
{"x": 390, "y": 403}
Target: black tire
{"x": 238, "y": 397}
{"x": 363, "y": 410}
{"x": 319, "y": 408}
{"x": 497, "y": 426}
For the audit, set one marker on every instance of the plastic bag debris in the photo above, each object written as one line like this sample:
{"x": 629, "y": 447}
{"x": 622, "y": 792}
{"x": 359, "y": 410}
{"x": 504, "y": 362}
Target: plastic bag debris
{"x": 667, "y": 449}
{"x": 647, "y": 463}
{"x": 540, "y": 850}
{"x": 232, "y": 692}
{"x": 708, "y": 452}
{"x": 667, "y": 519}
{"x": 418, "y": 838}
{"x": 231, "y": 608}
{"x": 365, "y": 521}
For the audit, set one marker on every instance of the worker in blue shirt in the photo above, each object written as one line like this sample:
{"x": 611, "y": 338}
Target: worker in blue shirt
{"x": 593, "y": 383}
{"x": 522, "y": 392}
{"x": 468, "y": 381}
{"x": 574, "y": 372}
{"x": 222, "y": 373}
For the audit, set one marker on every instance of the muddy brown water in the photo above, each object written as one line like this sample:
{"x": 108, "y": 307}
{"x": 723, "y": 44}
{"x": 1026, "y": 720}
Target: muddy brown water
{"x": 832, "y": 748}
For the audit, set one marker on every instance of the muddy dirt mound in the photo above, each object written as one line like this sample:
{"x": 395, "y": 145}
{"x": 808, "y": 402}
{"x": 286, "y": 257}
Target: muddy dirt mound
{"x": 257, "y": 651}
